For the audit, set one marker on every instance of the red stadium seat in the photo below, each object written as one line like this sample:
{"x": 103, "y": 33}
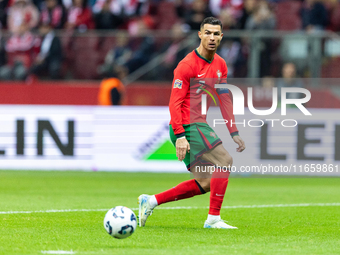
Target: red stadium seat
{"x": 85, "y": 65}
{"x": 88, "y": 42}
{"x": 106, "y": 44}
{"x": 166, "y": 15}
{"x": 331, "y": 69}
{"x": 335, "y": 18}
{"x": 288, "y": 16}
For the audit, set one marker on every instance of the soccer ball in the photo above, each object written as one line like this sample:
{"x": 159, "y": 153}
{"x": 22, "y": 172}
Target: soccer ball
{"x": 120, "y": 222}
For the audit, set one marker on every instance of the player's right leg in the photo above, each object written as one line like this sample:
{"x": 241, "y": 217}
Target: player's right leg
{"x": 197, "y": 186}
{"x": 145, "y": 208}
{"x": 186, "y": 189}
{"x": 183, "y": 190}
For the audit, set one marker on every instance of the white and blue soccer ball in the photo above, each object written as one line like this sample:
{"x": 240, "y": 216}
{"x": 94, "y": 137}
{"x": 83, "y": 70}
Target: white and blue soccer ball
{"x": 120, "y": 222}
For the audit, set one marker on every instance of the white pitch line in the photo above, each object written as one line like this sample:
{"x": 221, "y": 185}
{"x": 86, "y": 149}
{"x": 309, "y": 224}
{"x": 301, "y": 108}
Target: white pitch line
{"x": 56, "y": 211}
{"x": 180, "y": 208}
{"x": 58, "y": 252}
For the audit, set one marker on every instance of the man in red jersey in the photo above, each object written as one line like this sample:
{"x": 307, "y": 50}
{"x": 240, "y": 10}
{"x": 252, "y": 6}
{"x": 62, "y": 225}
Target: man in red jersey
{"x": 196, "y": 142}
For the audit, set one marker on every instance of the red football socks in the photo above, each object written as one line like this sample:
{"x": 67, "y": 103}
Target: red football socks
{"x": 190, "y": 188}
{"x": 183, "y": 190}
{"x": 218, "y": 186}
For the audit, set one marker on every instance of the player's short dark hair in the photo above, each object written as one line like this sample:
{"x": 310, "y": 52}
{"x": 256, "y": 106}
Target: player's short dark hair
{"x": 211, "y": 21}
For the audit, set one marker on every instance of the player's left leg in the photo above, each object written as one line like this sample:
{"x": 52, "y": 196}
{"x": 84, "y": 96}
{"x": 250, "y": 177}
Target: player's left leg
{"x": 221, "y": 159}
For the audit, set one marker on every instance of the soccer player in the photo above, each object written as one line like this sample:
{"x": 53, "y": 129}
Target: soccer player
{"x": 195, "y": 141}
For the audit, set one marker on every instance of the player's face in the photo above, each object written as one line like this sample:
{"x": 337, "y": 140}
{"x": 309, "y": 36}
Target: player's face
{"x": 211, "y": 36}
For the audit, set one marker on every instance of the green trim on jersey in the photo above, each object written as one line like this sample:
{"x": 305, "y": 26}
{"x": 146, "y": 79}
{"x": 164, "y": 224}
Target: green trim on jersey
{"x": 196, "y": 51}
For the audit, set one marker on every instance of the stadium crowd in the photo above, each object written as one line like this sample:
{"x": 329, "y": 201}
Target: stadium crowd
{"x": 38, "y": 38}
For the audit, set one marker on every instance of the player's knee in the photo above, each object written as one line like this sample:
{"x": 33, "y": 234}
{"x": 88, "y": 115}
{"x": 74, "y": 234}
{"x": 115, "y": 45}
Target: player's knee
{"x": 225, "y": 160}
{"x": 204, "y": 183}
{"x": 229, "y": 160}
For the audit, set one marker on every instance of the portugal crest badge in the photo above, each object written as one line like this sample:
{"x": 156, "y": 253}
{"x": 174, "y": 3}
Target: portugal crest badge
{"x": 219, "y": 75}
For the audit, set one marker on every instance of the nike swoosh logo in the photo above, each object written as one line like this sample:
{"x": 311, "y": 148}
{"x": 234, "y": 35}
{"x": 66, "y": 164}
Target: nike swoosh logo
{"x": 200, "y": 75}
{"x": 219, "y": 195}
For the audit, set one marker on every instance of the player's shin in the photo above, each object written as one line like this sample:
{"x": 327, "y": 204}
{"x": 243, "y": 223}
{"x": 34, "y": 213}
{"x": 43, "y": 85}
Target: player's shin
{"x": 183, "y": 190}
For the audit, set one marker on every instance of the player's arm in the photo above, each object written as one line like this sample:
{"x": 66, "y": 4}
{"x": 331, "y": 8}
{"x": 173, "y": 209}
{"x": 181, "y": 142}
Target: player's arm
{"x": 179, "y": 91}
{"x": 226, "y": 107}
{"x": 227, "y": 113}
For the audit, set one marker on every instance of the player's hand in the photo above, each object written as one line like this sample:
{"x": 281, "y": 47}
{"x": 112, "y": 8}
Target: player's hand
{"x": 182, "y": 147}
{"x": 241, "y": 146}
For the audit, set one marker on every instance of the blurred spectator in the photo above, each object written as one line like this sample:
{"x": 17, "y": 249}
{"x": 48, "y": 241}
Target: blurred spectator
{"x": 110, "y": 14}
{"x": 49, "y": 59}
{"x": 111, "y": 92}
{"x": 334, "y": 20}
{"x": 227, "y": 19}
{"x": 79, "y": 16}
{"x": 198, "y": 11}
{"x": 22, "y": 12}
{"x": 180, "y": 6}
{"x": 216, "y": 6}
{"x": 268, "y": 82}
{"x": 139, "y": 25}
{"x": 21, "y": 49}
{"x": 173, "y": 53}
{"x": 3, "y": 13}
{"x": 127, "y": 8}
{"x": 231, "y": 52}
{"x": 53, "y": 13}
{"x": 107, "y": 15}
{"x": 38, "y": 4}
{"x": 67, "y": 4}
{"x": 145, "y": 50}
{"x": 263, "y": 18}
{"x": 117, "y": 56}
{"x": 289, "y": 79}
{"x": 128, "y": 55}
{"x": 248, "y": 9}
{"x": 3, "y": 59}
{"x": 314, "y": 15}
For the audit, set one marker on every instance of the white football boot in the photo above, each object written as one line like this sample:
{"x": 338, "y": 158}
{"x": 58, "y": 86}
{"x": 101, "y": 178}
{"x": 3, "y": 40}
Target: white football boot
{"x": 145, "y": 210}
{"x": 218, "y": 224}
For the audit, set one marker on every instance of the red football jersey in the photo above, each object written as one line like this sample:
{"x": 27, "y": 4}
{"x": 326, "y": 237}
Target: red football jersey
{"x": 193, "y": 76}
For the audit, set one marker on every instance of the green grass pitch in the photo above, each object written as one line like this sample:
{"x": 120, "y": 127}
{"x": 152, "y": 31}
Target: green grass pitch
{"x": 269, "y": 230}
